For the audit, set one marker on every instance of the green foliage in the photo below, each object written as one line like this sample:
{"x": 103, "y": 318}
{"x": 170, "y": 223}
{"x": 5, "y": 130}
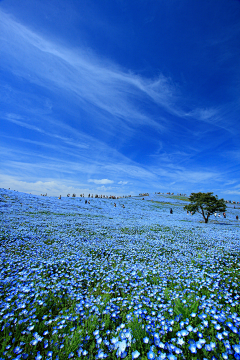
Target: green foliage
{"x": 206, "y": 204}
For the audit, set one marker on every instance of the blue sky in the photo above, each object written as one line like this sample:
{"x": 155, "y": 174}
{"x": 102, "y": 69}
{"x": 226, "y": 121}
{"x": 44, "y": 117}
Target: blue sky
{"x": 120, "y": 97}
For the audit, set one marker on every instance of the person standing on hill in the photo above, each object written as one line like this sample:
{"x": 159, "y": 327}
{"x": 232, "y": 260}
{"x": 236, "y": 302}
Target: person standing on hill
{"x": 171, "y": 211}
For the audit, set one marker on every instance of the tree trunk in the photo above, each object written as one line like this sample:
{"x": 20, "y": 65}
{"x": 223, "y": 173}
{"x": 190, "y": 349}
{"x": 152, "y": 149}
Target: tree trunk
{"x": 206, "y": 220}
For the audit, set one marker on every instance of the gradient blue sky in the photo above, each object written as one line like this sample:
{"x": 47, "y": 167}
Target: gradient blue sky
{"x": 120, "y": 97}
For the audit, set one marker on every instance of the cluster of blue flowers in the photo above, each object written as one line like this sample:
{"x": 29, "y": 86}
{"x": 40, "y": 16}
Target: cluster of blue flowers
{"x": 96, "y": 281}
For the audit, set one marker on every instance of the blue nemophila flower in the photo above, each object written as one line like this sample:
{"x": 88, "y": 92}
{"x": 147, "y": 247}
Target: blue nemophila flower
{"x": 180, "y": 341}
{"x": 177, "y": 351}
{"x": 17, "y": 350}
{"x": 135, "y": 354}
{"x": 122, "y": 346}
{"x": 114, "y": 341}
{"x": 99, "y": 340}
{"x": 151, "y": 355}
{"x": 49, "y": 353}
{"x": 236, "y": 348}
{"x": 225, "y": 333}
{"x": 70, "y": 355}
{"x": 225, "y": 356}
{"x": 172, "y": 357}
{"x": 85, "y": 352}
{"x": 208, "y": 347}
{"x": 39, "y": 356}
{"x": 184, "y": 332}
{"x": 193, "y": 314}
{"x": 213, "y": 345}
{"x": 161, "y": 345}
{"x": 101, "y": 354}
{"x": 193, "y": 348}
{"x": 219, "y": 336}
{"x": 146, "y": 340}
{"x": 79, "y": 352}
{"x": 122, "y": 335}
{"x": 34, "y": 342}
{"x": 162, "y": 356}
{"x": 217, "y": 327}
{"x": 189, "y": 328}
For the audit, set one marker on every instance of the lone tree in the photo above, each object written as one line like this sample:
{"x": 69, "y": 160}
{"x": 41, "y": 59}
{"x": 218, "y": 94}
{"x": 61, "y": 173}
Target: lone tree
{"x": 206, "y": 204}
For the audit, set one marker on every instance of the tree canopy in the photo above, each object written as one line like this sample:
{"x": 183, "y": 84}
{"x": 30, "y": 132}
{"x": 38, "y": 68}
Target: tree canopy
{"x": 206, "y": 204}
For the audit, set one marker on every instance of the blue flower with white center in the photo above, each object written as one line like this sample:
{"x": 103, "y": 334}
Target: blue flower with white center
{"x": 122, "y": 335}
{"x": 100, "y": 354}
{"x": 199, "y": 344}
{"x": 157, "y": 342}
{"x": 193, "y": 348}
{"x": 135, "y": 354}
{"x": 236, "y": 348}
{"x": 30, "y": 328}
{"x": 70, "y": 355}
{"x": 122, "y": 346}
{"x": 193, "y": 314}
{"x": 162, "y": 356}
{"x": 151, "y": 355}
{"x": 189, "y": 328}
{"x": 49, "y": 353}
{"x": 184, "y": 332}
{"x": 177, "y": 351}
{"x": 96, "y": 332}
{"x": 219, "y": 336}
{"x": 217, "y": 327}
{"x": 146, "y": 340}
{"x": 225, "y": 356}
{"x": 213, "y": 345}
{"x": 39, "y": 356}
{"x": 79, "y": 352}
{"x": 34, "y": 342}
{"x": 99, "y": 340}
{"x": 171, "y": 357}
{"x": 205, "y": 323}
{"x": 85, "y": 352}
{"x": 114, "y": 340}
{"x": 17, "y": 350}
{"x": 208, "y": 347}
{"x": 180, "y": 341}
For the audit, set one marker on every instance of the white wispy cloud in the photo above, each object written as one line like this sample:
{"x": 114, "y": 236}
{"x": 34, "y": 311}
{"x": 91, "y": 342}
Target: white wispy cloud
{"x": 101, "y": 181}
{"x": 84, "y": 76}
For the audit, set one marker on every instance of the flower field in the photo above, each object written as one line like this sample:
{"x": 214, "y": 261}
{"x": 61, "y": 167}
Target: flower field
{"x": 94, "y": 281}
